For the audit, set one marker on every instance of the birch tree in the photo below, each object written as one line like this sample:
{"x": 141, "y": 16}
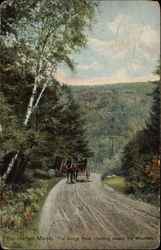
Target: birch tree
{"x": 54, "y": 30}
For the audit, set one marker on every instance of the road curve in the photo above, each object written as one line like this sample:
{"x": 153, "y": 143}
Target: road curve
{"x": 88, "y": 215}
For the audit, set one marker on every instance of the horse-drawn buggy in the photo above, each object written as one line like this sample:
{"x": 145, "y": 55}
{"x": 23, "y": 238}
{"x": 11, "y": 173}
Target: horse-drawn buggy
{"x": 78, "y": 168}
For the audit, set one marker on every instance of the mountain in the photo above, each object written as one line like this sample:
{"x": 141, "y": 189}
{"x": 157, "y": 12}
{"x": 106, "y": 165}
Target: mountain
{"x": 112, "y": 115}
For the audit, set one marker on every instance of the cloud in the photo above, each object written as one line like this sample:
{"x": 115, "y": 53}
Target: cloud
{"x": 129, "y": 55}
{"x": 120, "y": 26}
{"x": 128, "y": 37}
{"x": 148, "y": 41}
{"x": 97, "y": 45}
{"x": 135, "y": 65}
{"x": 60, "y": 76}
{"x": 95, "y": 65}
{"x": 120, "y": 77}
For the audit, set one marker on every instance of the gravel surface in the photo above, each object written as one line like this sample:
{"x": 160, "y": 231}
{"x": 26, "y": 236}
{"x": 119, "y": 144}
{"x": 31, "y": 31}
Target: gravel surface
{"x": 88, "y": 215}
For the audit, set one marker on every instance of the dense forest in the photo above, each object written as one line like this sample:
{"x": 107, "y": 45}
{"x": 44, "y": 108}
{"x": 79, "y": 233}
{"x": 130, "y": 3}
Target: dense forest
{"x": 44, "y": 122}
{"x": 40, "y": 121}
{"x": 141, "y": 155}
{"x": 113, "y": 114}
{"x": 122, "y": 128}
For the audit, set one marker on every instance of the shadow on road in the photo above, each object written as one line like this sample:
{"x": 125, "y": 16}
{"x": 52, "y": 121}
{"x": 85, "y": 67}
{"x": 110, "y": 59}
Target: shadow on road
{"x": 82, "y": 181}
{"x": 78, "y": 181}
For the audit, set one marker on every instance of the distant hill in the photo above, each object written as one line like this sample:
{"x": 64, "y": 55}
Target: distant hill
{"x": 112, "y": 115}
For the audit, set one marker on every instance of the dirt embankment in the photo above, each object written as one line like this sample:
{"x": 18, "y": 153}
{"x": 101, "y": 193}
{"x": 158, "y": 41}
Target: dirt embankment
{"x": 91, "y": 216}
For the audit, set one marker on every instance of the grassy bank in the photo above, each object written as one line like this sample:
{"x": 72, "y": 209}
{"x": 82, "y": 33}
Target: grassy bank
{"x": 118, "y": 183}
{"x": 23, "y": 233}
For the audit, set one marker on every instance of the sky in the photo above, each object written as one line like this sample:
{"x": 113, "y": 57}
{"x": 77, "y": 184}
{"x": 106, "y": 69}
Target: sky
{"x": 124, "y": 45}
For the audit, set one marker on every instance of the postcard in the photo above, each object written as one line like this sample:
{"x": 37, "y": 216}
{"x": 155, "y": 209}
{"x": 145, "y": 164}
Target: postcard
{"x": 80, "y": 124}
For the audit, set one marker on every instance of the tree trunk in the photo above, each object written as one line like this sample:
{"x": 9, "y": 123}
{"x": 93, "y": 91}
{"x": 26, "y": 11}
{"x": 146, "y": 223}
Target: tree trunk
{"x": 30, "y": 109}
{"x": 61, "y": 166}
{"x": 30, "y": 105}
{"x": 11, "y": 164}
{"x": 28, "y": 114}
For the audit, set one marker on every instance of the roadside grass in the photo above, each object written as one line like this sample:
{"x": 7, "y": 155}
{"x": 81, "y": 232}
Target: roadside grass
{"x": 26, "y": 236}
{"x": 118, "y": 183}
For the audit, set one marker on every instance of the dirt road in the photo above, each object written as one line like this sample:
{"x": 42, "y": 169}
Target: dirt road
{"x": 92, "y": 216}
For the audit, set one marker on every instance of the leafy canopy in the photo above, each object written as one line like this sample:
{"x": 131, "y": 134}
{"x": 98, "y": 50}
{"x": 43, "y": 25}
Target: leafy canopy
{"x": 49, "y": 33}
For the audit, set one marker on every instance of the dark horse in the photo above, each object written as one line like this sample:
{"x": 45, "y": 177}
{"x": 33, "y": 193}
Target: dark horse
{"x": 74, "y": 168}
{"x": 72, "y": 172}
{"x": 69, "y": 170}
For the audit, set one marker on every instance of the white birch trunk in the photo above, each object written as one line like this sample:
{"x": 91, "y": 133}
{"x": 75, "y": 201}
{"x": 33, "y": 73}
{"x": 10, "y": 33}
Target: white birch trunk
{"x": 28, "y": 113}
{"x": 40, "y": 95}
{"x": 14, "y": 158}
{"x": 43, "y": 89}
{"x": 30, "y": 109}
{"x": 30, "y": 105}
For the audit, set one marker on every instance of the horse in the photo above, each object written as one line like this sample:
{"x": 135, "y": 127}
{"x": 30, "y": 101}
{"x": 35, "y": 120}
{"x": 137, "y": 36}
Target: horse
{"x": 75, "y": 169}
{"x": 83, "y": 168}
{"x": 72, "y": 171}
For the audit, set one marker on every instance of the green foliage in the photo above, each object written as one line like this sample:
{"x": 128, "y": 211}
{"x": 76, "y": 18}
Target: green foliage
{"x": 56, "y": 129}
{"x": 21, "y": 211}
{"x": 112, "y": 115}
{"x": 12, "y": 78}
{"x": 112, "y": 167}
{"x": 20, "y": 206}
{"x": 140, "y": 150}
{"x": 41, "y": 174}
{"x": 118, "y": 183}
{"x": 13, "y": 12}
{"x": 12, "y": 135}
{"x": 43, "y": 38}
{"x": 36, "y": 37}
